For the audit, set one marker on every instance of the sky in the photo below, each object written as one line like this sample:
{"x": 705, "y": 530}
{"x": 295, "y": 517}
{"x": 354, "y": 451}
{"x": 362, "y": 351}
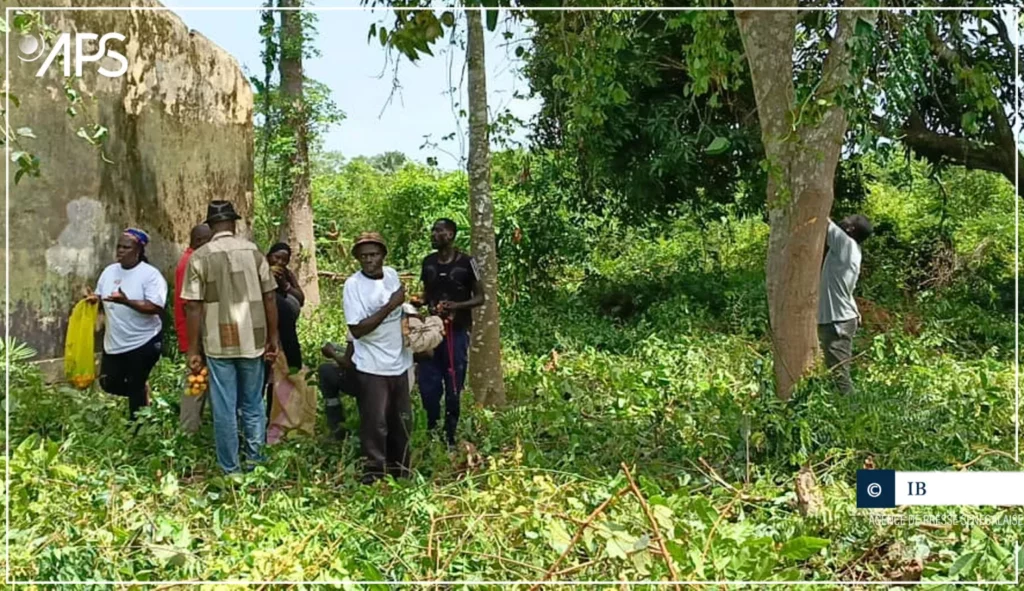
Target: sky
{"x": 360, "y": 77}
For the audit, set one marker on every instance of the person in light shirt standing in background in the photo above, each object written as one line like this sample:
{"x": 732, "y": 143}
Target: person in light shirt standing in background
{"x": 838, "y": 317}
{"x": 373, "y": 299}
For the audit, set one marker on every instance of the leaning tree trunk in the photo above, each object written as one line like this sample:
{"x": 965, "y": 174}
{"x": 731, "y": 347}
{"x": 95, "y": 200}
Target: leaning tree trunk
{"x": 298, "y": 228}
{"x": 485, "y": 375}
{"x": 802, "y": 164}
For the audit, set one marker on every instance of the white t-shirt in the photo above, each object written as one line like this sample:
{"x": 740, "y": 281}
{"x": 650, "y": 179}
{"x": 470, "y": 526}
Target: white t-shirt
{"x": 127, "y": 329}
{"x": 382, "y": 351}
{"x": 839, "y": 274}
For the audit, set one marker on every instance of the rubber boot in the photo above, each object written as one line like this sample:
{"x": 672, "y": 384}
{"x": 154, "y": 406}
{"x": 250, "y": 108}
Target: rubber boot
{"x": 335, "y": 415}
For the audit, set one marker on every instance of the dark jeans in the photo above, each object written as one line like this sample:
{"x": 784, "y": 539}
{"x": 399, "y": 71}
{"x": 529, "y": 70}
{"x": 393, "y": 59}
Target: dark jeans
{"x": 385, "y": 415}
{"x": 435, "y": 380}
{"x": 125, "y": 374}
{"x": 836, "y": 340}
{"x": 335, "y": 381}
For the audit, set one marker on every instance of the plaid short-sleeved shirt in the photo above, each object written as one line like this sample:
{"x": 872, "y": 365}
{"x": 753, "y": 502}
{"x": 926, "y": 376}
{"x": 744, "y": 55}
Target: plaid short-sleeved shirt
{"x": 230, "y": 275}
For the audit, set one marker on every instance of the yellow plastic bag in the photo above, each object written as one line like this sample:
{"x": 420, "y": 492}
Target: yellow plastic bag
{"x": 79, "y": 347}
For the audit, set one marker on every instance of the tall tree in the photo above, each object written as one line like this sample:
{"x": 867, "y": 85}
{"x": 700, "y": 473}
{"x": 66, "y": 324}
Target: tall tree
{"x": 485, "y": 375}
{"x": 297, "y": 230}
{"x": 412, "y": 34}
{"x": 659, "y": 110}
{"x": 802, "y": 136}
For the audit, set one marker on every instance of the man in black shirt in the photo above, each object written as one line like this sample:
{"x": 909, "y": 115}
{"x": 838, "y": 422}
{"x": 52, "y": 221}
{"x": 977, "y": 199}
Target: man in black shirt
{"x": 451, "y": 289}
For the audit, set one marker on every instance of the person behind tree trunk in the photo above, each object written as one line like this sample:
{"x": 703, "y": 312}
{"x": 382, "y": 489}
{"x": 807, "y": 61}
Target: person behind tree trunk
{"x": 191, "y": 413}
{"x": 133, "y": 293}
{"x": 838, "y": 317}
{"x": 230, "y": 304}
{"x": 373, "y": 301}
{"x": 451, "y": 289}
{"x": 290, "y": 300}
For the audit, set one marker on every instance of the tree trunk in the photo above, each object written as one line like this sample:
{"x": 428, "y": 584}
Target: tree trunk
{"x": 485, "y": 374}
{"x": 297, "y": 230}
{"x": 801, "y": 173}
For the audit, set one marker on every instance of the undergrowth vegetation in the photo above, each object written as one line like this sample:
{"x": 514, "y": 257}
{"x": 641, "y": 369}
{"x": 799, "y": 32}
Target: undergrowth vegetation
{"x": 631, "y": 354}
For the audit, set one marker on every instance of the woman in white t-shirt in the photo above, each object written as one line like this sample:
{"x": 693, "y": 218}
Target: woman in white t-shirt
{"x": 134, "y": 294}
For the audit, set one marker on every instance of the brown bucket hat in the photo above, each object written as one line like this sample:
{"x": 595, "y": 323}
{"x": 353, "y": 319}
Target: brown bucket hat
{"x": 369, "y": 238}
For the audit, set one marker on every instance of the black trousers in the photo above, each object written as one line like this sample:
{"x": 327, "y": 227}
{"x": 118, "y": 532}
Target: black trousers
{"x": 125, "y": 374}
{"x": 385, "y": 415}
{"x": 335, "y": 381}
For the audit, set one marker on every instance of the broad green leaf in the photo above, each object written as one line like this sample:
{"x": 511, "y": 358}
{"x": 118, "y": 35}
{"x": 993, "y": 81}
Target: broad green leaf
{"x": 164, "y": 553}
{"x": 978, "y": 536}
{"x": 1000, "y": 552}
{"x": 642, "y": 562}
{"x": 705, "y": 510}
{"x": 558, "y": 537}
{"x": 677, "y": 552}
{"x": 663, "y": 515}
{"x": 619, "y": 544}
{"x": 26, "y": 132}
{"x": 965, "y": 563}
{"x": 717, "y": 146}
{"x": 698, "y": 562}
{"x": 721, "y": 561}
{"x": 803, "y": 547}
{"x": 492, "y": 19}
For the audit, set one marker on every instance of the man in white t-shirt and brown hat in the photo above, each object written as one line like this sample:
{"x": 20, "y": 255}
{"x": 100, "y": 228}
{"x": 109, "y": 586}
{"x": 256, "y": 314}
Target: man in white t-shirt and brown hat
{"x": 373, "y": 299}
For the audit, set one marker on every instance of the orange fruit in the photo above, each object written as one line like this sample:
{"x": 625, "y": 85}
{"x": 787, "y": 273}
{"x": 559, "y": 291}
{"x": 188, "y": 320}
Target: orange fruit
{"x": 204, "y": 372}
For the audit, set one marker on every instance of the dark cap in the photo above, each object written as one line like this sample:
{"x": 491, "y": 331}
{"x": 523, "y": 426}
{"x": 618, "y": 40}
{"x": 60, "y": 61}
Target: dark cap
{"x": 221, "y": 211}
